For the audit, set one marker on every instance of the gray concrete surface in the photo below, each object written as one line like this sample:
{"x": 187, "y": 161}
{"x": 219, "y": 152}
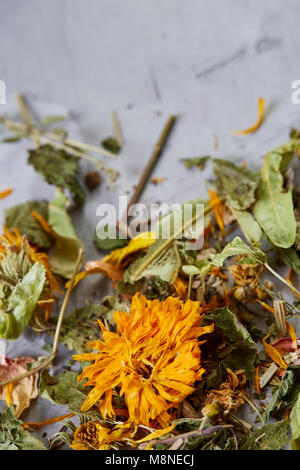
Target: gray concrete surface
{"x": 208, "y": 62}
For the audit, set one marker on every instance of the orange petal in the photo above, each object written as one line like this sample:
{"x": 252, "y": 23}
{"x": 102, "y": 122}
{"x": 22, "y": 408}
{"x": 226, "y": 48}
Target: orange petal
{"x": 261, "y": 109}
{"x": 5, "y": 193}
{"x": 292, "y": 334}
{"x": 217, "y": 207}
{"x": 56, "y": 419}
{"x": 273, "y": 353}
{"x": 113, "y": 272}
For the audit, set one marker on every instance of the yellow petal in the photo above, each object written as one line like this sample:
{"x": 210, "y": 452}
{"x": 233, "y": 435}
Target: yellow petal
{"x": 261, "y": 109}
{"x": 157, "y": 434}
{"x": 140, "y": 242}
{"x": 5, "y": 193}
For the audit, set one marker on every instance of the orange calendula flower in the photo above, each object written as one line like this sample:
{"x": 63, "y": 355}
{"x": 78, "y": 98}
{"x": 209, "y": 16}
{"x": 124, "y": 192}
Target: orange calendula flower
{"x": 13, "y": 241}
{"x": 95, "y": 436}
{"x": 153, "y": 359}
{"x": 260, "y": 118}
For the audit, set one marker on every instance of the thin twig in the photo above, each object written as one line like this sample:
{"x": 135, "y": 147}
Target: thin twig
{"x": 253, "y": 406}
{"x": 44, "y": 363}
{"x": 158, "y": 148}
{"x": 26, "y": 118}
{"x": 280, "y": 317}
{"x": 34, "y": 132}
{"x": 293, "y": 289}
{"x": 117, "y": 129}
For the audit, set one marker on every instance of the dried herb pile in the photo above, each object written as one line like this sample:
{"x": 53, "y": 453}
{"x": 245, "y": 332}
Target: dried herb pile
{"x": 190, "y": 340}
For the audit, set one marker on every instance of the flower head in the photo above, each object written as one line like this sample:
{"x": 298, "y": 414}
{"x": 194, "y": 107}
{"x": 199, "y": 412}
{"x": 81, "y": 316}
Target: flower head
{"x": 95, "y": 436}
{"x": 153, "y": 359}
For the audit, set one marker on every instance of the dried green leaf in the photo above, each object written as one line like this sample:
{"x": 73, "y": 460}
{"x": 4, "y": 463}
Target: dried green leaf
{"x": 110, "y": 243}
{"x": 243, "y": 348}
{"x": 16, "y": 311}
{"x": 269, "y": 437}
{"x": 290, "y": 258}
{"x": 21, "y": 218}
{"x": 252, "y": 255}
{"x": 297, "y": 241}
{"x": 63, "y": 390}
{"x": 81, "y": 326}
{"x": 165, "y": 266}
{"x": 58, "y": 168}
{"x": 237, "y": 185}
{"x": 282, "y": 391}
{"x": 111, "y": 144}
{"x": 295, "y": 425}
{"x": 64, "y": 255}
{"x": 196, "y": 161}
{"x": 51, "y": 119}
{"x": 13, "y": 436}
{"x": 274, "y": 209}
{"x": 249, "y": 226}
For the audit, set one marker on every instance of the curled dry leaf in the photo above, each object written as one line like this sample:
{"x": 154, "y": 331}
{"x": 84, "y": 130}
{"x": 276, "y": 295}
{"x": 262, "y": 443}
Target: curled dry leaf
{"x": 23, "y": 391}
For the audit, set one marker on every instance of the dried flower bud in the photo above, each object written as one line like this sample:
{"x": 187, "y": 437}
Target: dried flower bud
{"x": 261, "y": 294}
{"x": 240, "y": 293}
{"x": 211, "y": 410}
{"x": 269, "y": 285}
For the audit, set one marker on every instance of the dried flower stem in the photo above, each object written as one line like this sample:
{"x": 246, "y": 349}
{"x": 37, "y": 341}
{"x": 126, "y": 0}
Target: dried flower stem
{"x": 158, "y": 148}
{"x": 280, "y": 317}
{"x": 26, "y": 118}
{"x": 253, "y": 406}
{"x": 47, "y": 360}
{"x": 266, "y": 377}
{"x": 117, "y": 130}
{"x": 293, "y": 289}
{"x": 33, "y": 133}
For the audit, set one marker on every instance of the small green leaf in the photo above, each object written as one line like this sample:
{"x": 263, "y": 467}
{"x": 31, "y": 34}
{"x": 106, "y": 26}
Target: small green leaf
{"x": 165, "y": 266}
{"x": 111, "y": 144}
{"x": 269, "y": 437}
{"x": 63, "y": 390}
{"x": 109, "y": 243}
{"x": 20, "y": 217}
{"x": 243, "y": 350}
{"x": 295, "y": 425}
{"x": 13, "y": 436}
{"x": 50, "y": 119}
{"x": 22, "y": 302}
{"x": 290, "y": 258}
{"x": 65, "y": 253}
{"x": 58, "y": 168}
{"x": 252, "y": 255}
{"x": 81, "y": 326}
{"x": 274, "y": 209}
{"x": 196, "y": 161}
{"x": 237, "y": 185}
{"x": 281, "y": 392}
{"x": 249, "y": 226}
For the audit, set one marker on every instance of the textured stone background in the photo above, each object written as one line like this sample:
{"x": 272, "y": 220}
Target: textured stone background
{"x": 208, "y": 62}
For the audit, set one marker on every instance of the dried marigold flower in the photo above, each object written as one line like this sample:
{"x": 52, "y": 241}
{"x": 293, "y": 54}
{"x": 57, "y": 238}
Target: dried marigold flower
{"x": 226, "y": 397}
{"x": 153, "y": 359}
{"x": 95, "y": 436}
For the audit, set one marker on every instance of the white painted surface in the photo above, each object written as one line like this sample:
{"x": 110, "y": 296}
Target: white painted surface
{"x": 208, "y": 62}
